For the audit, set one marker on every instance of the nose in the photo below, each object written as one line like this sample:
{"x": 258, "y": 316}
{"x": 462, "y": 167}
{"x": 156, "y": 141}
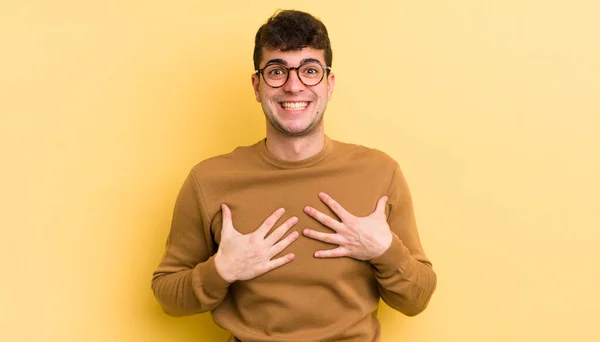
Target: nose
{"x": 293, "y": 84}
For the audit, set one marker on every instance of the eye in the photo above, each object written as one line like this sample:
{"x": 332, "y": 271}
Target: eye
{"x": 311, "y": 70}
{"x": 276, "y": 71}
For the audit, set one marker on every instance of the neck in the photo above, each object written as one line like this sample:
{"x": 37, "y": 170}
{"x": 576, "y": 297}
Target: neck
{"x": 295, "y": 148}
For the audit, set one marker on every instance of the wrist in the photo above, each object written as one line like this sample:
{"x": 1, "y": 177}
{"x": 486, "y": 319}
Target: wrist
{"x": 385, "y": 245}
{"x": 222, "y": 268}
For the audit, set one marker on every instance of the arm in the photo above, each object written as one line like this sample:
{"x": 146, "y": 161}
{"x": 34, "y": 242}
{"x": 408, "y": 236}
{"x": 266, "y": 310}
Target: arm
{"x": 192, "y": 277}
{"x": 406, "y": 279}
{"x": 391, "y": 244}
{"x": 186, "y": 281}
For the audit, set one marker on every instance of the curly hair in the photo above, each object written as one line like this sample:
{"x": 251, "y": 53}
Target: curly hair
{"x": 289, "y": 30}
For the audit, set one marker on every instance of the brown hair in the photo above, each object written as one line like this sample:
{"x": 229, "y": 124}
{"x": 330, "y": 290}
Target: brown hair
{"x": 290, "y": 30}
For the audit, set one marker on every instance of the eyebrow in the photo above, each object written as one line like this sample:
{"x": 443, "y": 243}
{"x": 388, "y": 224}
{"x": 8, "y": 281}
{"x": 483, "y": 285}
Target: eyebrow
{"x": 283, "y": 62}
{"x": 276, "y": 61}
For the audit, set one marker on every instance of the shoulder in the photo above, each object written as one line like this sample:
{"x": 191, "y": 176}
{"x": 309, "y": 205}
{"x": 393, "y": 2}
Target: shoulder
{"x": 362, "y": 154}
{"x": 241, "y": 158}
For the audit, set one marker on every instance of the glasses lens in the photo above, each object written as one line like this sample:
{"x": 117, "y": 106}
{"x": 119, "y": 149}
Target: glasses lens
{"x": 311, "y": 73}
{"x": 275, "y": 75}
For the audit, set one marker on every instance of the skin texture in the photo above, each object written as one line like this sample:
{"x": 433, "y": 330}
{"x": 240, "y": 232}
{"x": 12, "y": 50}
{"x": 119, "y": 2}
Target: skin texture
{"x": 361, "y": 238}
{"x": 296, "y": 135}
{"x": 304, "y": 123}
{"x": 243, "y": 257}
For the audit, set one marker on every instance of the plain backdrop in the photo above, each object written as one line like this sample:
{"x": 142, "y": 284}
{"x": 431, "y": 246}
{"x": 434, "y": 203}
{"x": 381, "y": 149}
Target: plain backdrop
{"x": 491, "y": 108}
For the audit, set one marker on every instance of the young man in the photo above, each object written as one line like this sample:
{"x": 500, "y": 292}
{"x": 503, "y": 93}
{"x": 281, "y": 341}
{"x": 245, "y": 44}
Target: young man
{"x": 297, "y": 237}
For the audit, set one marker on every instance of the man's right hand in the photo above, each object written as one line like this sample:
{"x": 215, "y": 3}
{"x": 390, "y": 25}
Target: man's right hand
{"x": 244, "y": 257}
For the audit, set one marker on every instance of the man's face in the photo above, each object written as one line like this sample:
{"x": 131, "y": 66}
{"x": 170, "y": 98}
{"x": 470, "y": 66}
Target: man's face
{"x": 293, "y": 109}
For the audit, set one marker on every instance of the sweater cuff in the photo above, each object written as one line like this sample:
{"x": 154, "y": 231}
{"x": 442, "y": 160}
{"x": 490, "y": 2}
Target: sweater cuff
{"x": 394, "y": 259}
{"x": 207, "y": 280}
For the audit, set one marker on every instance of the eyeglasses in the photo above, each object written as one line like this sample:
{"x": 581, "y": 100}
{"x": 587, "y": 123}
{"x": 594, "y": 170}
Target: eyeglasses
{"x": 309, "y": 73}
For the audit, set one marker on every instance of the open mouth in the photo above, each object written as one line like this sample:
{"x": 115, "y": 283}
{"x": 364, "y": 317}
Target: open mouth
{"x": 294, "y": 106}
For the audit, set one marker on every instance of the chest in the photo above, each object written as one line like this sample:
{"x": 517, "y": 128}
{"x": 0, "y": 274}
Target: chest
{"x": 253, "y": 200}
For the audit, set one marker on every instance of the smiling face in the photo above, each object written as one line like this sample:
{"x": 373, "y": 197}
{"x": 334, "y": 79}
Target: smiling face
{"x": 294, "y": 109}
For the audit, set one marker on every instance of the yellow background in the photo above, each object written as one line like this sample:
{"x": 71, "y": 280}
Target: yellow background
{"x": 491, "y": 107}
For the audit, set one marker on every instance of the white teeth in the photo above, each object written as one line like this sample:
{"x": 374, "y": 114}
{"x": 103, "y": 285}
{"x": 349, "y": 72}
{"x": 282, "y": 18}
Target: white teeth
{"x": 294, "y": 105}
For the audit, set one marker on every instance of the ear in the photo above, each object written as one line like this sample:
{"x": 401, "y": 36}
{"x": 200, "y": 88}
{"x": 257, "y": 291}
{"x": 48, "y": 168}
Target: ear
{"x": 330, "y": 85}
{"x": 255, "y": 85}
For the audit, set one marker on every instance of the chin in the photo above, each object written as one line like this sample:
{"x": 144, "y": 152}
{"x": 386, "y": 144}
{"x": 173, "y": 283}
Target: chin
{"x": 298, "y": 131}
{"x": 294, "y": 129}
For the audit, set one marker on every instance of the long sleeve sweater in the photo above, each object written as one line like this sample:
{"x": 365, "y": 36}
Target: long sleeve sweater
{"x": 308, "y": 299}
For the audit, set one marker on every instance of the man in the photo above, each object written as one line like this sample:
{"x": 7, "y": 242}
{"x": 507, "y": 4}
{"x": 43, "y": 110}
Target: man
{"x": 297, "y": 237}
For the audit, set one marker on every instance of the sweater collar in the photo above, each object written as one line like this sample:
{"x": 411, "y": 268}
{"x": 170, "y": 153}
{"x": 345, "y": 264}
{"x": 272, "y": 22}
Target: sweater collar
{"x": 272, "y": 159}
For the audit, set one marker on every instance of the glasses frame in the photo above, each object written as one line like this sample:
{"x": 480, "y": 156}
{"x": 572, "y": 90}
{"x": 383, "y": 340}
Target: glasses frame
{"x": 326, "y": 70}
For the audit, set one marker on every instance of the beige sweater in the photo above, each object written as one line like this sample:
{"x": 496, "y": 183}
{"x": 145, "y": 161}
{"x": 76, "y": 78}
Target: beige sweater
{"x": 308, "y": 299}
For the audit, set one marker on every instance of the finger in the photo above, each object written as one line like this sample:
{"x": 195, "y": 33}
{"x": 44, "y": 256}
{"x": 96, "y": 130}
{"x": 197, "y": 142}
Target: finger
{"x": 380, "y": 209}
{"x": 273, "y": 264}
{"x": 270, "y": 222}
{"x": 324, "y": 219}
{"x": 227, "y": 228}
{"x": 335, "y": 206}
{"x": 281, "y": 230}
{"x": 227, "y": 223}
{"x": 281, "y": 245}
{"x": 332, "y": 253}
{"x": 334, "y": 239}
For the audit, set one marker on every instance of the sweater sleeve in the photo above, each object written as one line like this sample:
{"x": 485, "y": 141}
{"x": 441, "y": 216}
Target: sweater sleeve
{"x": 186, "y": 281}
{"x": 404, "y": 274}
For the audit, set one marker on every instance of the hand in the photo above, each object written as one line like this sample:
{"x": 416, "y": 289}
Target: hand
{"x": 243, "y": 257}
{"x": 362, "y": 238}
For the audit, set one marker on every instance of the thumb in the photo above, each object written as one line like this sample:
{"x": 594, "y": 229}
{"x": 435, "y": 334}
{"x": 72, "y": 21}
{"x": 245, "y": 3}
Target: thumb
{"x": 227, "y": 225}
{"x": 380, "y": 209}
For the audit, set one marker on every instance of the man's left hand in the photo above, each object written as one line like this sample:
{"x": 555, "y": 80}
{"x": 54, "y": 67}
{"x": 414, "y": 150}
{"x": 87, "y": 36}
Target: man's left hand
{"x": 362, "y": 238}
